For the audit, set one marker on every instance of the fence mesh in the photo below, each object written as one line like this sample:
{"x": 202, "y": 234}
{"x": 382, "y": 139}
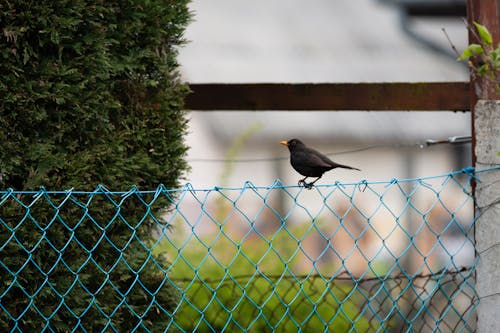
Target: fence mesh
{"x": 396, "y": 256}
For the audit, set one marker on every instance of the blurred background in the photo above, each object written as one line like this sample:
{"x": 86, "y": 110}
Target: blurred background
{"x": 418, "y": 227}
{"x": 325, "y": 41}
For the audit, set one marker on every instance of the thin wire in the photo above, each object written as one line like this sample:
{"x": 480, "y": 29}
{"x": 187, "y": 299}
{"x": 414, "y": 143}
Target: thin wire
{"x": 342, "y": 276}
{"x": 283, "y": 158}
{"x": 454, "y": 140}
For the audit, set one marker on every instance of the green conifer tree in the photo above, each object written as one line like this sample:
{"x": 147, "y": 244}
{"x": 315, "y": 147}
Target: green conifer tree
{"x": 90, "y": 94}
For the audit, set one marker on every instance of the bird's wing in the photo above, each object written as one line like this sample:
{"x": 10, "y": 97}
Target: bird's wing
{"x": 321, "y": 159}
{"x": 313, "y": 157}
{"x": 332, "y": 164}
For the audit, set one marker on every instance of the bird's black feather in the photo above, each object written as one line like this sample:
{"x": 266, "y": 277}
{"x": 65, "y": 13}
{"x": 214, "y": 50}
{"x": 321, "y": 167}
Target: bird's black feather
{"x": 310, "y": 162}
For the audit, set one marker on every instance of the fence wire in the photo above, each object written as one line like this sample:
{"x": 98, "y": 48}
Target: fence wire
{"x": 396, "y": 256}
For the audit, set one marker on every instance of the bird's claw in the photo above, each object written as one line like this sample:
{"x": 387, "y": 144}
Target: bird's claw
{"x": 308, "y": 186}
{"x": 302, "y": 182}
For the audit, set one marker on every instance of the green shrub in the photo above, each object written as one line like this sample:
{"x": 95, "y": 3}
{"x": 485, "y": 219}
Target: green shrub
{"x": 90, "y": 94}
{"x": 254, "y": 283}
{"x": 486, "y": 56}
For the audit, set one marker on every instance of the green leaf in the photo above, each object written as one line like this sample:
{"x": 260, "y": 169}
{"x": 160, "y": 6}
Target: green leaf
{"x": 484, "y": 33}
{"x": 482, "y": 70}
{"x": 495, "y": 54}
{"x": 470, "y": 51}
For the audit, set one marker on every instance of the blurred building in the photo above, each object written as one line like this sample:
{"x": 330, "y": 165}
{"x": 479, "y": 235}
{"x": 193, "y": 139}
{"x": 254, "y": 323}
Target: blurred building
{"x": 326, "y": 41}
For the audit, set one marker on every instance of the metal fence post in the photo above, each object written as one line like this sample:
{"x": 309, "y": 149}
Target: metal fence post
{"x": 487, "y": 195}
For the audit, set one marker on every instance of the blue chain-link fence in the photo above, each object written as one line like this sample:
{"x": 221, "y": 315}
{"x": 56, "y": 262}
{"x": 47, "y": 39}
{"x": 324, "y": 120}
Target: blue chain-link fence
{"x": 396, "y": 256}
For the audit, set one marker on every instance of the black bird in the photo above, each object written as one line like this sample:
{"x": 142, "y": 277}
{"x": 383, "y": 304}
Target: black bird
{"x": 309, "y": 162}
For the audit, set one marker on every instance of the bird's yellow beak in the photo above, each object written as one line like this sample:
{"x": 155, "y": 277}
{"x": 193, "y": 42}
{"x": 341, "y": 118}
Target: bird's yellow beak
{"x": 284, "y": 143}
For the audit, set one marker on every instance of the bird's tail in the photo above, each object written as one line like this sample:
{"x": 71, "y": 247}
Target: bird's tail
{"x": 347, "y": 167}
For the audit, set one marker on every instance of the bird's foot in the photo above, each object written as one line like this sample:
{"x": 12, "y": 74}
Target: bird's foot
{"x": 308, "y": 186}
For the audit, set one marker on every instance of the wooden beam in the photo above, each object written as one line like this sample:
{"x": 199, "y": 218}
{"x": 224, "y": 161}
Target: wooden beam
{"x": 429, "y": 96}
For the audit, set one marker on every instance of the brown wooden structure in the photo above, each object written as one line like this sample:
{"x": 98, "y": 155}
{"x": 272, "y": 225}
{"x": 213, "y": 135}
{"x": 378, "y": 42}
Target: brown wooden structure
{"x": 429, "y": 96}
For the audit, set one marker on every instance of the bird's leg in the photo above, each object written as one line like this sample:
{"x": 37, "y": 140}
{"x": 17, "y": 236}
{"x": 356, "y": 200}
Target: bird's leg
{"x": 310, "y": 185}
{"x": 302, "y": 182}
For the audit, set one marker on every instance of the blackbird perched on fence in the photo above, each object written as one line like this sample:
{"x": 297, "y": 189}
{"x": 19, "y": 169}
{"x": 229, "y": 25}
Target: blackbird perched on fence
{"x": 309, "y": 162}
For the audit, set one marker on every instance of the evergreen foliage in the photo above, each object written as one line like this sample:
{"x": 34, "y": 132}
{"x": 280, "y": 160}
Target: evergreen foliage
{"x": 90, "y": 94}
